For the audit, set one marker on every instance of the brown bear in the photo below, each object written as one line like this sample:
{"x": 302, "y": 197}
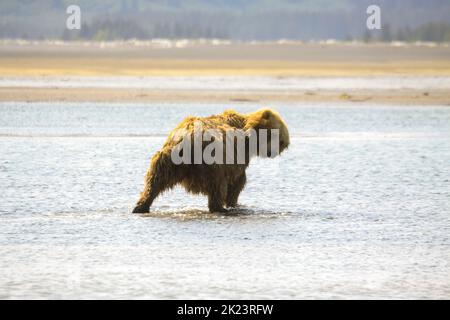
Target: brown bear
{"x": 222, "y": 181}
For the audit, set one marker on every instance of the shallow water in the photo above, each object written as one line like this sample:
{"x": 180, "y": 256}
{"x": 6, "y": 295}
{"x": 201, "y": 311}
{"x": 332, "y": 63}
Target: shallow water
{"x": 358, "y": 207}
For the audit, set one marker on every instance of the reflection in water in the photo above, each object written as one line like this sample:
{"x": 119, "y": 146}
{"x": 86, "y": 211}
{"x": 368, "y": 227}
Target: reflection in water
{"x": 187, "y": 214}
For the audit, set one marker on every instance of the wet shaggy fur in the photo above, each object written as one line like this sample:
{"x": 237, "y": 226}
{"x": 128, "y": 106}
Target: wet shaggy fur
{"x": 221, "y": 183}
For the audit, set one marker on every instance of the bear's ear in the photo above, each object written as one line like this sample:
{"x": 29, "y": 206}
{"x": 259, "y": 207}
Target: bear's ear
{"x": 259, "y": 119}
{"x": 267, "y": 113}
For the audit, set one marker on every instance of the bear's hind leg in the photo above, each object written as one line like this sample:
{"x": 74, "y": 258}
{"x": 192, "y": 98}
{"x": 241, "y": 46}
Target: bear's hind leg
{"x": 234, "y": 190}
{"x": 161, "y": 175}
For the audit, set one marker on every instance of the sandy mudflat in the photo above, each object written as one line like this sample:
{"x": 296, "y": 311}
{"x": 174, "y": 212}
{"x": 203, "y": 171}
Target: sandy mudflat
{"x": 41, "y": 61}
{"x": 399, "y": 97}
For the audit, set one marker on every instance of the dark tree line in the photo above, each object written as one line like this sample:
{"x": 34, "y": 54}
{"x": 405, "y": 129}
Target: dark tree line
{"x": 123, "y": 29}
{"x": 405, "y": 20}
{"x": 430, "y": 32}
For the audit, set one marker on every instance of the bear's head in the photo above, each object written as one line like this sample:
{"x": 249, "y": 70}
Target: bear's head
{"x": 269, "y": 119}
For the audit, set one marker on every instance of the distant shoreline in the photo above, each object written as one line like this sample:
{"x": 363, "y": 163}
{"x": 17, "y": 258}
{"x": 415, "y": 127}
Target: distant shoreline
{"x": 199, "y": 58}
{"x": 385, "y": 97}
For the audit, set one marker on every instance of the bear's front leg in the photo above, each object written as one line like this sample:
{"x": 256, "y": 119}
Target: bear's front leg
{"x": 217, "y": 197}
{"x": 234, "y": 189}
